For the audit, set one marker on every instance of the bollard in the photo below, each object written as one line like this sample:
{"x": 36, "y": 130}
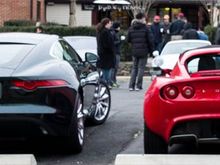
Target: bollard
{"x": 135, "y": 159}
{"x": 17, "y": 159}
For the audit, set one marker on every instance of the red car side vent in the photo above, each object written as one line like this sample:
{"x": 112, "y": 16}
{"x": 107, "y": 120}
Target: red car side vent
{"x": 34, "y": 84}
{"x": 171, "y": 92}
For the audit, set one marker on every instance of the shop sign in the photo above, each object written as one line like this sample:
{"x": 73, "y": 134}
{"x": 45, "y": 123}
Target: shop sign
{"x": 88, "y": 7}
{"x": 113, "y": 7}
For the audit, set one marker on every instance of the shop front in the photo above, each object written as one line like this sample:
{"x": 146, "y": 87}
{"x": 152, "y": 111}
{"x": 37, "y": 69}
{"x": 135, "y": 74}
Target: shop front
{"x": 193, "y": 10}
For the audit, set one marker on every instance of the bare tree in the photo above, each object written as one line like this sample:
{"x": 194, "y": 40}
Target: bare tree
{"x": 72, "y": 17}
{"x": 141, "y": 6}
{"x": 210, "y": 6}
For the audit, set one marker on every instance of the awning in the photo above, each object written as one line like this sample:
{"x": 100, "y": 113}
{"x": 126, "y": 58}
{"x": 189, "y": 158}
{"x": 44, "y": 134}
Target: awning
{"x": 112, "y": 2}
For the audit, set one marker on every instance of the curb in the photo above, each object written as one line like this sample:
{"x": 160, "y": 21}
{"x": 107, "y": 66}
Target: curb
{"x": 17, "y": 159}
{"x": 134, "y": 159}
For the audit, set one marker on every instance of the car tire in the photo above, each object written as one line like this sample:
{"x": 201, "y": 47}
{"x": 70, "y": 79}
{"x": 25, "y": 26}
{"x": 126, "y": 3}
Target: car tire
{"x": 154, "y": 144}
{"x": 101, "y": 105}
{"x": 75, "y": 139}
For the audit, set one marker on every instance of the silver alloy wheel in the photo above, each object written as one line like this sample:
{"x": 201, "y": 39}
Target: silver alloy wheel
{"x": 102, "y": 103}
{"x": 80, "y": 123}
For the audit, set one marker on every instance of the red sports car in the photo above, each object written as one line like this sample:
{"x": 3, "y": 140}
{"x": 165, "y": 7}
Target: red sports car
{"x": 184, "y": 105}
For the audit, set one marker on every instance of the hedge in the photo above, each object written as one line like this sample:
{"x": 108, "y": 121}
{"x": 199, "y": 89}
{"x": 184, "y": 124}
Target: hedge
{"x": 210, "y": 31}
{"x": 67, "y": 31}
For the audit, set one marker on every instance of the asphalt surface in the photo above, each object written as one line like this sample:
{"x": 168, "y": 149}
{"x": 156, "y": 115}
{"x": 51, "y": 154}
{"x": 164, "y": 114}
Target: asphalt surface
{"x": 104, "y": 142}
{"x": 121, "y": 134}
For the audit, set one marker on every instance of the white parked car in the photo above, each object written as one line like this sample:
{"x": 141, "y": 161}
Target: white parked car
{"x": 171, "y": 52}
{"x": 83, "y": 44}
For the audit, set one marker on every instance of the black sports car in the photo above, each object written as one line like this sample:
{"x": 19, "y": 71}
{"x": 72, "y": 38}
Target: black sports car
{"x": 40, "y": 89}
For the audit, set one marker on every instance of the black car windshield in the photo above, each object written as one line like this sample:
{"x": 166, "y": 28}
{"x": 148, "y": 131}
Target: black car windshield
{"x": 11, "y": 54}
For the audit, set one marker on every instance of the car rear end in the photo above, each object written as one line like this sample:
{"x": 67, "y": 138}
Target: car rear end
{"x": 31, "y": 104}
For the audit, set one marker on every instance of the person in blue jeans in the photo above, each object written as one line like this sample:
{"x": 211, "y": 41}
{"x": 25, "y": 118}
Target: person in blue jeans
{"x": 117, "y": 47}
{"x": 140, "y": 38}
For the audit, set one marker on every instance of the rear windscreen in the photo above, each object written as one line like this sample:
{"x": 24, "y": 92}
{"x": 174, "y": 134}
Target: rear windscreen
{"x": 203, "y": 63}
{"x": 12, "y": 54}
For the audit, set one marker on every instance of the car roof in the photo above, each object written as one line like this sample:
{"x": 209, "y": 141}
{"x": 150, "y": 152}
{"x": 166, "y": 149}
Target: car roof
{"x": 200, "y": 51}
{"x": 188, "y": 41}
{"x": 26, "y": 38}
{"x": 91, "y": 37}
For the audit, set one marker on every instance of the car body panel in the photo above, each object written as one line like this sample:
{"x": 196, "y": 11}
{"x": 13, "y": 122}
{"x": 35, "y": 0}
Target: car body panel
{"x": 48, "y": 107}
{"x": 163, "y": 115}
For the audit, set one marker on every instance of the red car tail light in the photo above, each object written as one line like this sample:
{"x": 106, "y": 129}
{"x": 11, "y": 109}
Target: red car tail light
{"x": 34, "y": 84}
{"x": 188, "y": 92}
{"x": 171, "y": 92}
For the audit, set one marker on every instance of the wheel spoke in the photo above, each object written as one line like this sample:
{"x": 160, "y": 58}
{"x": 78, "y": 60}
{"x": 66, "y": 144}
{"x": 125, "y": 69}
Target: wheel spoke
{"x": 104, "y": 97}
{"x": 102, "y": 91}
{"x": 104, "y": 104}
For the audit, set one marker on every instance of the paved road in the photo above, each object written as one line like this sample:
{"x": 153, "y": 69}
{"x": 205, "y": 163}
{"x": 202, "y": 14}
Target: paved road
{"x": 103, "y": 142}
{"x": 122, "y": 133}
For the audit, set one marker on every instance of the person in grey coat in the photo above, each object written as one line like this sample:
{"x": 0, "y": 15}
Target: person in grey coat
{"x": 141, "y": 44}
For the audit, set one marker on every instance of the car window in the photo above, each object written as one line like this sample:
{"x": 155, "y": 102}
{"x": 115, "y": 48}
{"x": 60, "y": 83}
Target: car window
{"x": 57, "y": 51}
{"x": 12, "y": 54}
{"x": 69, "y": 54}
{"x": 203, "y": 63}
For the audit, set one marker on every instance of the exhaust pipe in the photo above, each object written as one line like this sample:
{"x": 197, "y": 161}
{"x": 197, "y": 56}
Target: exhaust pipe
{"x": 182, "y": 139}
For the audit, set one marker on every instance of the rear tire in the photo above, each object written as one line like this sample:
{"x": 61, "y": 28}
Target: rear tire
{"x": 75, "y": 138}
{"x": 153, "y": 144}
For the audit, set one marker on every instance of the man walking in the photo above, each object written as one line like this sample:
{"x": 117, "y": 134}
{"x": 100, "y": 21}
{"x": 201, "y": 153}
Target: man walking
{"x": 141, "y": 44}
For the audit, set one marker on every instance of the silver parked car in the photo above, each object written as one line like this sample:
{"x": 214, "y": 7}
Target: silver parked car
{"x": 83, "y": 44}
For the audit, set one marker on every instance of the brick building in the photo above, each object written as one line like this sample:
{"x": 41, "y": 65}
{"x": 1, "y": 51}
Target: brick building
{"x": 33, "y": 10}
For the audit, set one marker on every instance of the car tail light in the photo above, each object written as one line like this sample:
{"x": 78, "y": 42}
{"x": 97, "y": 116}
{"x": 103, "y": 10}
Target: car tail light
{"x": 34, "y": 84}
{"x": 188, "y": 92}
{"x": 171, "y": 92}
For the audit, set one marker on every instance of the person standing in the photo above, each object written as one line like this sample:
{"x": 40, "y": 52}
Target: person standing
{"x": 177, "y": 26}
{"x": 156, "y": 30}
{"x": 117, "y": 51}
{"x": 105, "y": 46}
{"x": 141, "y": 44}
{"x": 165, "y": 29}
{"x": 202, "y": 35}
{"x": 189, "y": 32}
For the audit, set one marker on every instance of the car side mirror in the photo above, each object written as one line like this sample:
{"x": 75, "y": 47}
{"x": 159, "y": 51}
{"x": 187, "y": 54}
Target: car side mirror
{"x": 156, "y": 53}
{"x": 91, "y": 58}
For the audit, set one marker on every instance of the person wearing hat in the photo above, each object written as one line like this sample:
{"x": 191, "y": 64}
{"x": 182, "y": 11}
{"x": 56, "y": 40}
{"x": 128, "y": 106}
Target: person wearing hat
{"x": 139, "y": 37}
{"x": 156, "y": 30}
{"x": 117, "y": 45}
{"x": 177, "y": 26}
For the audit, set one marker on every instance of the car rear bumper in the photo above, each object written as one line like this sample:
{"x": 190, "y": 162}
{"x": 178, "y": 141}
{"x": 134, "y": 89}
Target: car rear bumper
{"x": 32, "y": 120}
{"x": 169, "y": 119}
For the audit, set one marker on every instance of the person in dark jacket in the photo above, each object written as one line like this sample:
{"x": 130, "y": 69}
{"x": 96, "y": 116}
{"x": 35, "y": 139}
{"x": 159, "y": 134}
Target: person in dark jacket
{"x": 117, "y": 51}
{"x": 177, "y": 26}
{"x": 156, "y": 30}
{"x": 165, "y": 29}
{"x": 141, "y": 44}
{"x": 105, "y": 48}
{"x": 189, "y": 32}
